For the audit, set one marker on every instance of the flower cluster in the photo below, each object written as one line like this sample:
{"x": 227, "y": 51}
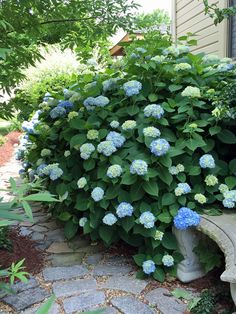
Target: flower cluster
{"x": 158, "y": 59}
{"x": 211, "y": 180}
{"x": 72, "y": 115}
{"x": 86, "y": 150}
{"x": 151, "y": 131}
{"x": 132, "y": 88}
{"x": 182, "y": 188}
{"x": 229, "y": 200}
{"x": 114, "y": 171}
{"x": 124, "y": 209}
{"x": 45, "y": 152}
{"x": 158, "y": 235}
{"x": 81, "y": 183}
{"x": 129, "y": 125}
{"x": 147, "y": 219}
{"x": 40, "y": 169}
{"x": 191, "y": 92}
{"x": 114, "y": 124}
{"x": 109, "y": 219}
{"x": 116, "y": 138}
{"x": 186, "y": 218}
{"x": 97, "y": 194}
{"x": 200, "y": 198}
{"x": 83, "y": 221}
{"x": 110, "y": 84}
{"x": 107, "y": 148}
{"x": 149, "y": 267}
{"x": 57, "y": 112}
{"x": 159, "y": 147}
{"x": 139, "y": 167}
{"x": 67, "y": 105}
{"x": 67, "y": 153}
{"x": 53, "y": 171}
{"x": 182, "y": 67}
{"x": 223, "y": 188}
{"x": 211, "y": 58}
{"x": 154, "y": 110}
{"x": 92, "y": 135}
{"x": 207, "y": 161}
{"x": 175, "y": 170}
{"x": 225, "y": 67}
{"x": 168, "y": 260}
{"x": 91, "y": 103}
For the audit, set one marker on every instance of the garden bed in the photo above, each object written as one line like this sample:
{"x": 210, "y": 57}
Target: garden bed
{"x": 7, "y": 148}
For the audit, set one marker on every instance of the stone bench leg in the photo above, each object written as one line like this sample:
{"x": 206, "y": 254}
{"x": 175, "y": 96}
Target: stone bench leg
{"x": 190, "y": 268}
{"x": 233, "y": 291}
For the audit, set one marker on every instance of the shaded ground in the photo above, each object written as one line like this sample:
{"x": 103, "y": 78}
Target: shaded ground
{"x": 7, "y": 148}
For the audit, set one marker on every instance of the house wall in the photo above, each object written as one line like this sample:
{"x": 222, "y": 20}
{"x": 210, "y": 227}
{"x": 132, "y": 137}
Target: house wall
{"x": 188, "y": 16}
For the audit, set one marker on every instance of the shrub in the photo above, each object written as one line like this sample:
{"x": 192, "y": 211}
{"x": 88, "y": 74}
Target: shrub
{"x": 139, "y": 147}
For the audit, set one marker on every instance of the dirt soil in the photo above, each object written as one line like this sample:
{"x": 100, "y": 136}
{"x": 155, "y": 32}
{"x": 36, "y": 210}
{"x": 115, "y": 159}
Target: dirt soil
{"x": 6, "y": 150}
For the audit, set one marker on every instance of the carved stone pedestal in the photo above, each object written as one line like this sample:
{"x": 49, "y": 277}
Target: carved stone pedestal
{"x": 190, "y": 268}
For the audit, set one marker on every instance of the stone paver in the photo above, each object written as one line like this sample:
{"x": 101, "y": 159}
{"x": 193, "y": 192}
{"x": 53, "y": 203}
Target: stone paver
{"x": 125, "y": 283}
{"x": 55, "y": 309}
{"x": 21, "y": 286}
{"x": 166, "y": 304}
{"x": 105, "y": 310}
{"x": 130, "y": 305}
{"x": 66, "y": 259}
{"x": 94, "y": 259}
{"x": 36, "y": 236}
{"x": 26, "y": 298}
{"x": 56, "y": 235}
{"x": 84, "y": 301}
{"x": 59, "y": 273}
{"x": 111, "y": 270}
{"x": 25, "y": 231}
{"x": 39, "y": 228}
{"x": 68, "y": 288}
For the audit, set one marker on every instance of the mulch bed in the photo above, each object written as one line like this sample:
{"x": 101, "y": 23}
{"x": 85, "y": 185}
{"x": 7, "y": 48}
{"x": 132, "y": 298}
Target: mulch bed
{"x": 22, "y": 248}
{"x": 6, "y": 150}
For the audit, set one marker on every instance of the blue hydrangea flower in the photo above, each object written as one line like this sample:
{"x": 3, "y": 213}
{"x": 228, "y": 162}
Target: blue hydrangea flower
{"x": 57, "y": 112}
{"x": 91, "y": 103}
{"x": 147, "y": 219}
{"x": 168, "y": 260}
{"x": 229, "y": 199}
{"x": 139, "y": 167}
{"x": 53, "y": 171}
{"x": 186, "y": 218}
{"x": 114, "y": 171}
{"x": 134, "y": 56}
{"x": 114, "y": 124}
{"x": 39, "y": 169}
{"x": 132, "y": 88}
{"x": 107, "y": 148}
{"x": 29, "y": 126}
{"x": 159, "y": 147}
{"x": 182, "y": 188}
{"x": 109, "y": 219}
{"x": 141, "y": 49}
{"x": 110, "y": 84}
{"x": 83, "y": 221}
{"x": 207, "y": 161}
{"x": 154, "y": 110}
{"x": 116, "y": 138}
{"x": 86, "y": 150}
{"x": 67, "y": 105}
{"x": 225, "y": 67}
{"x": 149, "y": 267}
{"x": 124, "y": 209}
{"x": 97, "y": 194}
{"x": 228, "y": 204}
{"x": 129, "y": 125}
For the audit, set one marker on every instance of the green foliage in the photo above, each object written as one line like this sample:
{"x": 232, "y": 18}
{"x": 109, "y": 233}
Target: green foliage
{"x": 218, "y": 14}
{"x": 209, "y": 254}
{"x": 206, "y": 304}
{"x": 45, "y": 308}
{"x": 150, "y": 20}
{"x": 188, "y": 124}
{"x": 70, "y": 23}
{"x": 5, "y": 242}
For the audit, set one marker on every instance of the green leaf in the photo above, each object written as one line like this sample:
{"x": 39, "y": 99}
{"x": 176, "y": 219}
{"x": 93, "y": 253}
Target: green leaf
{"x": 139, "y": 259}
{"x": 136, "y": 192}
{"x": 151, "y": 187}
{"x": 27, "y": 209}
{"x": 159, "y": 274}
{"x": 180, "y": 293}
{"x": 140, "y": 275}
{"x": 232, "y": 165}
{"x": 231, "y": 182}
{"x": 157, "y": 259}
{"x": 164, "y": 175}
{"x": 70, "y": 229}
{"x": 165, "y": 217}
{"x": 77, "y": 123}
{"x": 133, "y": 110}
{"x": 227, "y": 137}
{"x": 40, "y": 197}
{"x": 174, "y": 88}
{"x": 89, "y": 164}
{"x": 106, "y": 234}
{"x": 78, "y": 139}
{"x": 168, "y": 199}
{"x": 45, "y": 308}
{"x": 64, "y": 216}
{"x": 127, "y": 223}
{"x": 214, "y": 130}
{"x": 169, "y": 241}
{"x": 128, "y": 179}
{"x": 194, "y": 171}
{"x": 152, "y": 97}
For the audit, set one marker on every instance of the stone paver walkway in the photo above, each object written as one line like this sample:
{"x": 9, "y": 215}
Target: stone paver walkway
{"x": 82, "y": 275}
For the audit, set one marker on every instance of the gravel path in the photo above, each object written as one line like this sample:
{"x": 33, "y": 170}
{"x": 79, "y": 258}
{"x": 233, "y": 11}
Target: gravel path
{"x": 82, "y": 275}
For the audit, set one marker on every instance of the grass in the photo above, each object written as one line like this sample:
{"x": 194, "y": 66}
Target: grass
{"x": 4, "y": 127}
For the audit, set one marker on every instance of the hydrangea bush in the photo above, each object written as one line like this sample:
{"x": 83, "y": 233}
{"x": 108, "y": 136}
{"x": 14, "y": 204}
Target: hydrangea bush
{"x": 138, "y": 149}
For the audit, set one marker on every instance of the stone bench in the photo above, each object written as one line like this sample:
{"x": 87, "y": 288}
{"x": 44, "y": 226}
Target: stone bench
{"x": 222, "y": 230}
